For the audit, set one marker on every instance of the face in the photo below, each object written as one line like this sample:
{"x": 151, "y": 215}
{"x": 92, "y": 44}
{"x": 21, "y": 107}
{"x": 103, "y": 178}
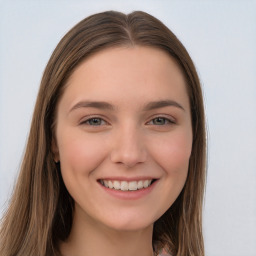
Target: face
{"x": 124, "y": 137}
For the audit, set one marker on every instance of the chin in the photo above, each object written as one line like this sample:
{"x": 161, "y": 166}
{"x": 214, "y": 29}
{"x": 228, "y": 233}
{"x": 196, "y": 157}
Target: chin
{"x": 129, "y": 223}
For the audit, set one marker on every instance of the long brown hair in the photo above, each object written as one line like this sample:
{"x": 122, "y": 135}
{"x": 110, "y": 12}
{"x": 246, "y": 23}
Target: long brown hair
{"x": 40, "y": 212}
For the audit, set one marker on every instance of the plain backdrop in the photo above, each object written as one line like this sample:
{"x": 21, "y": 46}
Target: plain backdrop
{"x": 221, "y": 39}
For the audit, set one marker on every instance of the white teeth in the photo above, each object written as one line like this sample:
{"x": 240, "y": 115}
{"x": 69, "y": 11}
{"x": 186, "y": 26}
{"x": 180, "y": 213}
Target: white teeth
{"x": 117, "y": 184}
{"x": 110, "y": 184}
{"x": 125, "y": 185}
{"x": 133, "y": 185}
{"x": 105, "y": 183}
{"x": 146, "y": 183}
{"x": 140, "y": 184}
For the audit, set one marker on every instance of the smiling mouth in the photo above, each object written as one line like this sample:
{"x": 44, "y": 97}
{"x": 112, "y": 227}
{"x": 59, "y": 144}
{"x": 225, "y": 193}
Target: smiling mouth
{"x": 126, "y": 185}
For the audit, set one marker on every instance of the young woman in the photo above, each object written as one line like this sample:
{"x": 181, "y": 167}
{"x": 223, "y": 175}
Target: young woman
{"x": 115, "y": 159}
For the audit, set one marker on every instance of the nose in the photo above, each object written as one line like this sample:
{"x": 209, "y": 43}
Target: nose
{"x": 128, "y": 148}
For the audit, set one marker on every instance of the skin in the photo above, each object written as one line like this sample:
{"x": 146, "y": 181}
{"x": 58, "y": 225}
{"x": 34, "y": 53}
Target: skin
{"x": 128, "y": 141}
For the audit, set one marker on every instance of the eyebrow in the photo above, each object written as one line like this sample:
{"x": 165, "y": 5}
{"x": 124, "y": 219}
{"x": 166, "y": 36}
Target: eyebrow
{"x": 93, "y": 104}
{"x": 107, "y": 106}
{"x": 161, "y": 104}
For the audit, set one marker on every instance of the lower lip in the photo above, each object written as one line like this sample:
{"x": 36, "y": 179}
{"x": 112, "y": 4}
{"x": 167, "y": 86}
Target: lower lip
{"x": 129, "y": 195}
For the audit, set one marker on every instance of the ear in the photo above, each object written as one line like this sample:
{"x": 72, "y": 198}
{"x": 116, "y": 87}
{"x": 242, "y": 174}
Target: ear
{"x": 55, "y": 151}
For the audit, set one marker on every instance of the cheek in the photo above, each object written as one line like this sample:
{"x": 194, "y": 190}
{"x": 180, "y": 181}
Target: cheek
{"x": 173, "y": 152}
{"x": 80, "y": 153}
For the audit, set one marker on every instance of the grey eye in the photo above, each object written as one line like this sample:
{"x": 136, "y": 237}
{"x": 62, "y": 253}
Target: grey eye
{"x": 160, "y": 121}
{"x": 94, "y": 121}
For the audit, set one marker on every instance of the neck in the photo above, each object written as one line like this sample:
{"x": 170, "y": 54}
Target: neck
{"x": 90, "y": 238}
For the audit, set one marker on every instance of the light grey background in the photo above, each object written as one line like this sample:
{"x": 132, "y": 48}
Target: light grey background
{"x": 221, "y": 38}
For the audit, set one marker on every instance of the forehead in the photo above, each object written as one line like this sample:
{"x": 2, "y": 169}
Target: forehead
{"x": 125, "y": 73}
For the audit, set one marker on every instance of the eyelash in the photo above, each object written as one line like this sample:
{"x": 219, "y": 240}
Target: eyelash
{"x": 87, "y": 121}
{"x": 167, "y": 121}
